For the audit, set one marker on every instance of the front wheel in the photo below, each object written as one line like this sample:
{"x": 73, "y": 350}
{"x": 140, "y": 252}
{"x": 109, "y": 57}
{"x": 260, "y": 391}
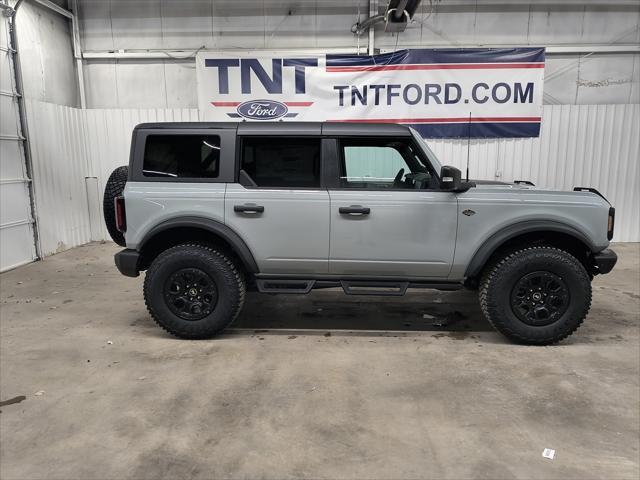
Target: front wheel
{"x": 536, "y": 296}
{"x": 193, "y": 291}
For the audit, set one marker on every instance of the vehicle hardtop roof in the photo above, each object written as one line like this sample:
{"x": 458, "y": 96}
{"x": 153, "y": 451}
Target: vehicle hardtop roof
{"x": 288, "y": 128}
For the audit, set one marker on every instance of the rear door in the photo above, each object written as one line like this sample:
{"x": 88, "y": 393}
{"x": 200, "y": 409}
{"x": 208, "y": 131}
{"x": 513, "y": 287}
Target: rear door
{"x": 388, "y": 216}
{"x": 279, "y": 208}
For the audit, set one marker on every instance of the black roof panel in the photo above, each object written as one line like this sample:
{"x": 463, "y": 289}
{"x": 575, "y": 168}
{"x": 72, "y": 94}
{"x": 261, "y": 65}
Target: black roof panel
{"x": 356, "y": 129}
{"x": 290, "y": 128}
{"x": 186, "y": 125}
{"x": 279, "y": 128}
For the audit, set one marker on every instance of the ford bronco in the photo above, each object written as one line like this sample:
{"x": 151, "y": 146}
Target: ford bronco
{"x": 210, "y": 210}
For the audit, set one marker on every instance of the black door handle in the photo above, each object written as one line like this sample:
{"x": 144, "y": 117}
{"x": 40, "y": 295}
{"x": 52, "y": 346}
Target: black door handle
{"x": 354, "y": 209}
{"x": 248, "y": 208}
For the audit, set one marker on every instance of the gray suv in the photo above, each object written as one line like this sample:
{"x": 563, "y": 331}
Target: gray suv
{"x": 210, "y": 210}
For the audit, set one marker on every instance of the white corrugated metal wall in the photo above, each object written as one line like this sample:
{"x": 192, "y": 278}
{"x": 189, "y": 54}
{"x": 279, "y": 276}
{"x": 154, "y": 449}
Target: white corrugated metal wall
{"x": 16, "y": 225}
{"x": 60, "y": 164}
{"x": 76, "y": 150}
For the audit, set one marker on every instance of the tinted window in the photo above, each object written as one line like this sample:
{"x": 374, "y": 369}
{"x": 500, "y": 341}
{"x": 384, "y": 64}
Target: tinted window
{"x": 282, "y": 162}
{"x": 378, "y": 164}
{"x": 363, "y": 163}
{"x": 190, "y": 156}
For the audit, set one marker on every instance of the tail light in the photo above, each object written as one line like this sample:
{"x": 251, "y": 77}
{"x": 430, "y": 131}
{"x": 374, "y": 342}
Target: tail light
{"x": 121, "y": 215}
{"x": 611, "y": 223}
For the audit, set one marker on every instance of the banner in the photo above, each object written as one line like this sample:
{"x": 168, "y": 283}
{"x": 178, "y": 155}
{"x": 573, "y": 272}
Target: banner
{"x": 442, "y": 93}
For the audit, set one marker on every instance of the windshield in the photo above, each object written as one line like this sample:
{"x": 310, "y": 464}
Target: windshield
{"x": 435, "y": 163}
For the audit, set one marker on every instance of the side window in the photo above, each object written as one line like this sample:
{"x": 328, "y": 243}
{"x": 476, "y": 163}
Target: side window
{"x": 372, "y": 164}
{"x": 379, "y": 164}
{"x": 182, "y": 156}
{"x": 282, "y": 162}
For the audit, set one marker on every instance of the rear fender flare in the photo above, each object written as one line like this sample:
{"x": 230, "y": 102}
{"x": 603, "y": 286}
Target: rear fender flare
{"x": 221, "y": 230}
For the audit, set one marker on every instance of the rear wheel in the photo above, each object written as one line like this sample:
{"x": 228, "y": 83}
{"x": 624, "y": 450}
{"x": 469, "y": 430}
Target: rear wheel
{"x": 193, "y": 291}
{"x": 537, "y": 295}
{"x": 114, "y": 187}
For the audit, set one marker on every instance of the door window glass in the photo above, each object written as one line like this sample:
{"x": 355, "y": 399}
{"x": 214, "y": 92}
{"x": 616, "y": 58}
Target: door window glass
{"x": 371, "y": 164}
{"x": 378, "y": 164}
{"x": 282, "y": 162}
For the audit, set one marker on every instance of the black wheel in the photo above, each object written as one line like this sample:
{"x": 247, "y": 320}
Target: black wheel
{"x": 193, "y": 291}
{"x": 536, "y": 296}
{"x": 114, "y": 187}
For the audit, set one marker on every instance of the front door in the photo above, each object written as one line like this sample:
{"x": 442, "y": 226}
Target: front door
{"x": 284, "y": 215}
{"x": 388, "y": 217}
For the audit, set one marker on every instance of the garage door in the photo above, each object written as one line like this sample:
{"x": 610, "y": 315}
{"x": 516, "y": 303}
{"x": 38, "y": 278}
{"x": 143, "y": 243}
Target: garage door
{"x": 16, "y": 225}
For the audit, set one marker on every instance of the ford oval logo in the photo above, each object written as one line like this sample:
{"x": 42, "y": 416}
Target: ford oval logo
{"x": 262, "y": 109}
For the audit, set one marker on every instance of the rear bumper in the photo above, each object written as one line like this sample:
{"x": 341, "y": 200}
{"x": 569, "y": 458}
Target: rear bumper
{"x": 127, "y": 262}
{"x": 605, "y": 261}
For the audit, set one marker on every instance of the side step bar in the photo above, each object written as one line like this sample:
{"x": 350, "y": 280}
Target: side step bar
{"x": 363, "y": 286}
{"x": 350, "y": 287}
{"x": 284, "y": 286}
{"x": 374, "y": 288}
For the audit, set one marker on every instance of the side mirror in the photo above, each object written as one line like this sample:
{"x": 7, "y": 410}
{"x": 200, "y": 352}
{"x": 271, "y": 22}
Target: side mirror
{"x": 451, "y": 180}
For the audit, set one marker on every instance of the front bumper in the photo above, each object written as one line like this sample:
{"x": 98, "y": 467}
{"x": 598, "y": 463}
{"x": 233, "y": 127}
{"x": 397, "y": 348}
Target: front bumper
{"x": 605, "y": 261}
{"x": 127, "y": 262}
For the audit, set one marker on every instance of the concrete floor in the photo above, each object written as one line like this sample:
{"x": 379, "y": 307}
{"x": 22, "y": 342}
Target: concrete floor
{"x": 322, "y": 386}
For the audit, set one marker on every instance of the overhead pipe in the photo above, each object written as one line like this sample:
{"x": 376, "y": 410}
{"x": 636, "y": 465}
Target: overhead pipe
{"x": 400, "y": 9}
{"x": 190, "y": 55}
{"x": 360, "y": 28}
{"x": 186, "y": 55}
{"x": 396, "y": 17}
{"x": 549, "y": 49}
{"x": 77, "y": 53}
{"x": 373, "y": 8}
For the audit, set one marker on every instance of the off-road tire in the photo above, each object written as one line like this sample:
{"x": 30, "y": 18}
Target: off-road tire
{"x": 500, "y": 278}
{"x": 115, "y": 186}
{"x": 228, "y": 279}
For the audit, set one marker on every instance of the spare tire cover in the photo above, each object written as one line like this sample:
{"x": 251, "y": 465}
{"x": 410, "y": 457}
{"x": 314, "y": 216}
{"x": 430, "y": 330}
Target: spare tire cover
{"x": 115, "y": 186}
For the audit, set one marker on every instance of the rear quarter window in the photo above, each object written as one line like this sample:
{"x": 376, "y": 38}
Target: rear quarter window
{"x": 182, "y": 156}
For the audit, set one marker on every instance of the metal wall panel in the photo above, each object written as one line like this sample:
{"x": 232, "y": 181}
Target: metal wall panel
{"x": 319, "y": 24}
{"x": 59, "y": 169}
{"x": 48, "y": 66}
{"x": 16, "y": 228}
{"x": 191, "y": 24}
{"x": 6, "y": 81}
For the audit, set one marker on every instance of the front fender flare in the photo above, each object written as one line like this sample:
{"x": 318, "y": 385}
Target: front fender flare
{"x": 491, "y": 244}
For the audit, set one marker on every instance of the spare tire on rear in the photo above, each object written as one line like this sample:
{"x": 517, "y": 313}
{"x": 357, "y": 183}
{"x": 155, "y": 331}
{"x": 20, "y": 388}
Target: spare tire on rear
{"x": 115, "y": 186}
